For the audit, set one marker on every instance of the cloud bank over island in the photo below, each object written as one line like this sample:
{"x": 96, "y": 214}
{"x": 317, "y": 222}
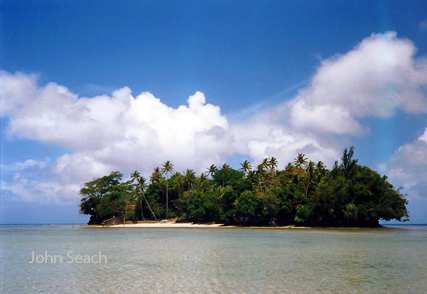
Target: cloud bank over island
{"x": 377, "y": 78}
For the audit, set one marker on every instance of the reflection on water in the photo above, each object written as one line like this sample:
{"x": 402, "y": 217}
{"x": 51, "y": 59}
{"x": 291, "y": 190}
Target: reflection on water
{"x": 216, "y": 260}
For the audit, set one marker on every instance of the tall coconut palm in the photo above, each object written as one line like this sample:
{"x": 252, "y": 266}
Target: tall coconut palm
{"x": 167, "y": 168}
{"x": 134, "y": 176}
{"x": 252, "y": 176}
{"x": 142, "y": 186}
{"x": 300, "y": 161}
{"x": 189, "y": 178}
{"x": 156, "y": 176}
{"x": 310, "y": 175}
{"x": 272, "y": 163}
{"x": 139, "y": 188}
{"x": 265, "y": 163}
{"x": 211, "y": 170}
{"x": 178, "y": 183}
{"x": 260, "y": 169}
{"x": 289, "y": 167}
{"x": 202, "y": 182}
{"x": 226, "y": 170}
{"x": 320, "y": 170}
{"x": 246, "y": 167}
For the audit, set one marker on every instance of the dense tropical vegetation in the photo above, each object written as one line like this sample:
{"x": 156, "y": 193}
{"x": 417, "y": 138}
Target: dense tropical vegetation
{"x": 304, "y": 193}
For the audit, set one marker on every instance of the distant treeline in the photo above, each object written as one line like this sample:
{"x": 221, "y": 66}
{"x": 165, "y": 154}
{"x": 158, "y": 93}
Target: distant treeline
{"x": 304, "y": 193}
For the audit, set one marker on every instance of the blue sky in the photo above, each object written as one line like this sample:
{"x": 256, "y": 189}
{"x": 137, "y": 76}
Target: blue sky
{"x": 94, "y": 86}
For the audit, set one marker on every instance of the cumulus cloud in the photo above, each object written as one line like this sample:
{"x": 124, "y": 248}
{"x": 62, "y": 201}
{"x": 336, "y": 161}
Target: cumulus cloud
{"x": 264, "y": 139}
{"x": 378, "y": 77}
{"x": 106, "y": 128}
{"x": 106, "y": 133}
{"x": 408, "y": 166}
{"x": 124, "y": 132}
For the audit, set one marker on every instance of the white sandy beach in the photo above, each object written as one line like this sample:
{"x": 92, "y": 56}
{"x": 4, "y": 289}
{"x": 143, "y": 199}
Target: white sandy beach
{"x": 172, "y": 224}
{"x": 166, "y": 225}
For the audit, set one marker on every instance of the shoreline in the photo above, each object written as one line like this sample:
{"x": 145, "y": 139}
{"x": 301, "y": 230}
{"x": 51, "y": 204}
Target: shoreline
{"x": 173, "y": 224}
{"x": 169, "y": 225}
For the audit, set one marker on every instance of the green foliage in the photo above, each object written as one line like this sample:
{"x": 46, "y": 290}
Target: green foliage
{"x": 94, "y": 191}
{"x": 305, "y": 193}
{"x": 248, "y": 206}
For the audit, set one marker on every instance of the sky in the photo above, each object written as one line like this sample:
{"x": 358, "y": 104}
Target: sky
{"x": 90, "y": 87}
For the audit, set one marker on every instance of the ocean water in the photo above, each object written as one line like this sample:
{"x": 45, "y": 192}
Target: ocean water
{"x": 222, "y": 260}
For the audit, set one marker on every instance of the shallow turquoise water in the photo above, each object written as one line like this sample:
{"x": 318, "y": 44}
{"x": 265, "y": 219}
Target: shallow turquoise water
{"x": 141, "y": 260}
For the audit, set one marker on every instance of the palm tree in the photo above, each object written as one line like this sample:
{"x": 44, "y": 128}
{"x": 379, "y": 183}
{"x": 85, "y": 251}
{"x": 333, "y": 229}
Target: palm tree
{"x": 134, "y": 176}
{"x": 211, "y": 170}
{"x": 320, "y": 171}
{"x": 167, "y": 168}
{"x": 272, "y": 163}
{"x": 265, "y": 163}
{"x": 260, "y": 169}
{"x": 201, "y": 182}
{"x": 246, "y": 167}
{"x": 226, "y": 170}
{"x": 289, "y": 167}
{"x": 178, "y": 183}
{"x": 156, "y": 176}
{"x": 310, "y": 175}
{"x": 300, "y": 161}
{"x": 189, "y": 178}
{"x": 252, "y": 176}
{"x": 141, "y": 186}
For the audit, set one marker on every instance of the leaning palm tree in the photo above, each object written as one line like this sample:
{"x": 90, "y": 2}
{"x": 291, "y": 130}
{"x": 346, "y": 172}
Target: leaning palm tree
{"x": 167, "y": 168}
{"x": 142, "y": 186}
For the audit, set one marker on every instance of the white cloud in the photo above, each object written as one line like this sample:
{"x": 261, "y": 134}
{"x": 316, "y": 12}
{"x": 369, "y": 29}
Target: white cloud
{"x": 108, "y": 129}
{"x": 27, "y": 164}
{"x": 16, "y": 90}
{"x": 408, "y": 167}
{"x": 30, "y": 163}
{"x": 52, "y": 192}
{"x": 376, "y": 78}
{"x": 122, "y": 132}
{"x": 267, "y": 139}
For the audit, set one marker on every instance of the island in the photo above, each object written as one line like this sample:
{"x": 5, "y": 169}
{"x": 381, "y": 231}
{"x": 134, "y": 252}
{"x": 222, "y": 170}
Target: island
{"x": 305, "y": 193}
